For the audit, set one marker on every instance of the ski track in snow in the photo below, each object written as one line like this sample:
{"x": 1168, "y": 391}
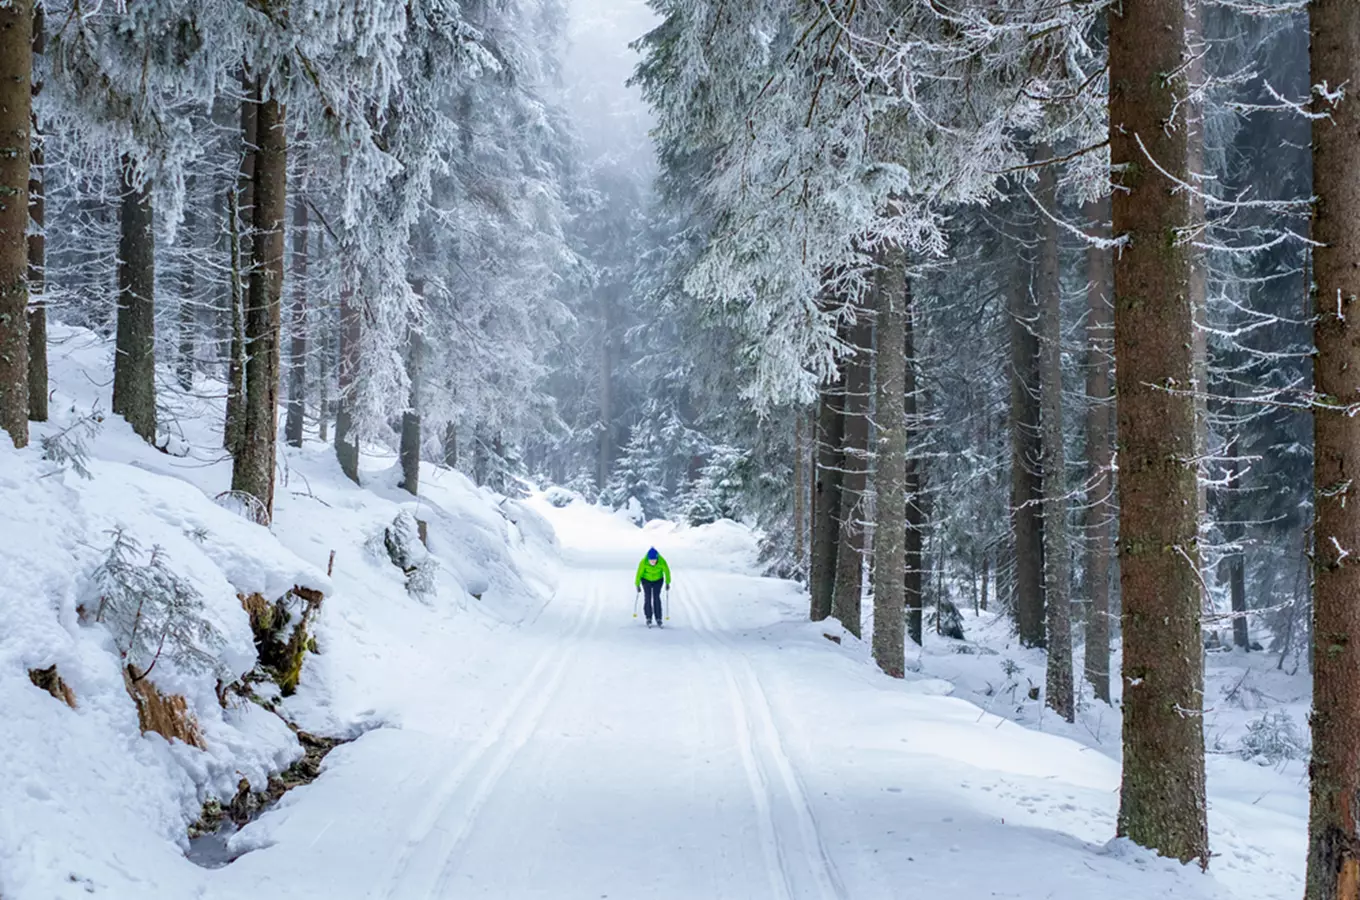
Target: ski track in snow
{"x": 799, "y": 865}
{"x": 583, "y": 756}
{"x": 438, "y": 857}
{"x": 434, "y": 847}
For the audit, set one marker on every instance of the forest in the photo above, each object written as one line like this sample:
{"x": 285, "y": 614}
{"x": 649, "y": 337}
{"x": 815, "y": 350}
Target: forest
{"x": 1039, "y": 309}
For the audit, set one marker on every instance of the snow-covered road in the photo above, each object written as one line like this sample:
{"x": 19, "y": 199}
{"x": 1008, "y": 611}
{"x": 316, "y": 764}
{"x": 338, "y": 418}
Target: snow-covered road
{"x": 735, "y": 754}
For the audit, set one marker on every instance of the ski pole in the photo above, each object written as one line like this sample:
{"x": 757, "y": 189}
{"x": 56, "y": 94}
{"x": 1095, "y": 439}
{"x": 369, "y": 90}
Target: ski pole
{"x": 668, "y": 602}
{"x": 635, "y": 602}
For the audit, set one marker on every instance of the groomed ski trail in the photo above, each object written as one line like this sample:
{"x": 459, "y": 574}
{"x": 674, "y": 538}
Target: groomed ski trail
{"x": 733, "y": 755}
{"x": 433, "y": 843}
{"x": 798, "y": 862}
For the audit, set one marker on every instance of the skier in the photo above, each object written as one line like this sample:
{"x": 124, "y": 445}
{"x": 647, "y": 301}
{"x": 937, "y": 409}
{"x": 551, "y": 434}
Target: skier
{"x": 652, "y": 572}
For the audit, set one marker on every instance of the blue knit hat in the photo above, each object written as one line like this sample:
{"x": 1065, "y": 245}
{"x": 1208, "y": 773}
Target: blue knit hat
{"x": 652, "y": 554}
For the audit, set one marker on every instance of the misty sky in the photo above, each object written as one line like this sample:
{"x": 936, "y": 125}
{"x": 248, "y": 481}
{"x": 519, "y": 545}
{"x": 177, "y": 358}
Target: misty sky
{"x": 611, "y": 117}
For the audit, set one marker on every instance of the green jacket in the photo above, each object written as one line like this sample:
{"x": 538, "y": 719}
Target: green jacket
{"x": 653, "y": 572}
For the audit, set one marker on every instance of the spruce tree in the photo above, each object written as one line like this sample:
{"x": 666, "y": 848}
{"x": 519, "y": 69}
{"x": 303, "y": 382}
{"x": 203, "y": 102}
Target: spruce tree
{"x": 1334, "y": 767}
{"x": 1162, "y": 803}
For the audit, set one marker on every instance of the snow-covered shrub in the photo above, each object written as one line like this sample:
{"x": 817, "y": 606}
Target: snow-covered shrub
{"x": 946, "y": 619}
{"x": 583, "y": 484}
{"x": 69, "y": 448}
{"x": 1272, "y": 739}
{"x": 151, "y": 610}
{"x": 560, "y": 497}
{"x": 634, "y": 512}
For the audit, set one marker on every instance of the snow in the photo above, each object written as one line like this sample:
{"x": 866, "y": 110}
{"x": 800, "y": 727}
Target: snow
{"x": 538, "y": 741}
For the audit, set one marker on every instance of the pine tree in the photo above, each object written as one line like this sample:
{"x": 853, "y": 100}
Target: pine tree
{"x": 351, "y": 324}
{"x": 241, "y": 220}
{"x": 1162, "y": 803}
{"x": 1027, "y": 523}
{"x": 1058, "y": 692}
{"x": 134, "y": 366}
{"x": 638, "y": 474}
{"x": 410, "y": 417}
{"x": 16, "y": 67}
{"x": 37, "y": 252}
{"x": 913, "y": 578}
{"x": 297, "y": 353}
{"x": 826, "y": 504}
{"x": 850, "y": 545}
{"x": 891, "y": 469}
{"x": 1099, "y": 455}
{"x": 1334, "y": 767}
{"x": 253, "y": 471}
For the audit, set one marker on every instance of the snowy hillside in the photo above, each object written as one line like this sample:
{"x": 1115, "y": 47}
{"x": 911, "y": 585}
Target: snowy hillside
{"x": 91, "y": 805}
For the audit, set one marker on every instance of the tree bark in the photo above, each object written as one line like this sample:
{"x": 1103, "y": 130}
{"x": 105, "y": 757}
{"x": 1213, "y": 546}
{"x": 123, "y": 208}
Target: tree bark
{"x": 325, "y": 357}
{"x": 827, "y": 499}
{"x": 186, "y": 315}
{"x": 410, "y": 417}
{"x": 799, "y": 495}
{"x": 1058, "y": 690}
{"x": 1334, "y": 769}
{"x": 1162, "y": 803}
{"x": 891, "y": 470}
{"x": 1027, "y": 523}
{"x": 297, "y": 354}
{"x": 850, "y": 543}
{"x": 1237, "y": 587}
{"x": 913, "y": 578}
{"x": 16, "y": 104}
{"x": 606, "y": 446}
{"x": 243, "y": 206}
{"x": 134, "y": 364}
{"x": 1199, "y": 263}
{"x": 37, "y": 252}
{"x": 450, "y": 445}
{"x": 1100, "y": 458}
{"x": 346, "y": 442}
{"x": 253, "y": 472}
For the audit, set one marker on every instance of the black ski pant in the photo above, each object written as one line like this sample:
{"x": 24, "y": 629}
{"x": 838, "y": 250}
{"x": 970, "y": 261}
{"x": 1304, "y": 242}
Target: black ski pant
{"x": 652, "y": 605}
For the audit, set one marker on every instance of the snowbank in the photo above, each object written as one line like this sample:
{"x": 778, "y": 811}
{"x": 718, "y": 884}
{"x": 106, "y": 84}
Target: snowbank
{"x": 90, "y": 804}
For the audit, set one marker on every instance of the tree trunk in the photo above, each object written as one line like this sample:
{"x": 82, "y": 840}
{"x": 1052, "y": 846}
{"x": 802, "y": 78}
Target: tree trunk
{"x": 1334, "y": 770}
{"x": 799, "y": 496}
{"x": 186, "y": 315}
{"x": 134, "y": 364}
{"x": 253, "y": 472}
{"x": 1199, "y": 263}
{"x": 451, "y": 445}
{"x": 850, "y": 542}
{"x": 297, "y": 355}
{"x": 1058, "y": 691}
{"x": 606, "y": 447}
{"x": 410, "y": 417}
{"x": 913, "y": 578}
{"x": 347, "y": 442}
{"x": 1237, "y": 586}
{"x": 16, "y": 104}
{"x": 1099, "y": 456}
{"x": 891, "y": 470}
{"x": 1027, "y": 523}
{"x": 1162, "y": 804}
{"x": 37, "y": 253}
{"x": 325, "y": 358}
{"x": 243, "y": 206}
{"x": 827, "y": 499}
